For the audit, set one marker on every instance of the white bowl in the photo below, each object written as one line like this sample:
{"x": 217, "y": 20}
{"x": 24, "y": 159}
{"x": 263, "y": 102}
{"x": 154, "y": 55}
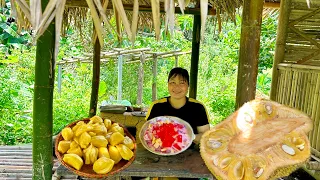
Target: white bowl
{"x": 188, "y": 134}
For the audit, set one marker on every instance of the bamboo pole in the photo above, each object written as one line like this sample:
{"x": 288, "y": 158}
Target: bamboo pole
{"x": 140, "y": 78}
{"x": 299, "y": 93}
{"x": 249, "y": 51}
{"x": 281, "y": 79}
{"x": 316, "y": 109}
{"x": 289, "y": 86}
{"x": 95, "y": 78}
{"x": 42, "y": 103}
{"x": 154, "y": 77}
{"x": 195, "y": 56}
{"x": 279, "y": 90}
{"x": 293, "y": 83}
{"x": 305, "y": 108}
{"x": 303, "y": 86}
{"x": 285, "y": 7}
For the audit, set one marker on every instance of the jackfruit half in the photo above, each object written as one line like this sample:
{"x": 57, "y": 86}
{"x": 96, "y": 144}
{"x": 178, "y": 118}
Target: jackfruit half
{"x": 261, "y": 140}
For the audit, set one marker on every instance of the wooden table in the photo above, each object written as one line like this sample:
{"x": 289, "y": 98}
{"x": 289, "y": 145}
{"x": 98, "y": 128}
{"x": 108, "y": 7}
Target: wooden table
{"x": 188, "y": 164}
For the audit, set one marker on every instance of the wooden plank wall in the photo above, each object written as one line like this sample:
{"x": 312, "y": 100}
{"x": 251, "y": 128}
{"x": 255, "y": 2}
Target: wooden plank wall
{"x": 299, "y": 87}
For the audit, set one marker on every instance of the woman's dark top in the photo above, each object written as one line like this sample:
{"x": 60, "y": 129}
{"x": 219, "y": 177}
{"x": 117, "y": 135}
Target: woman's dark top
{"x": 193, "y": 112}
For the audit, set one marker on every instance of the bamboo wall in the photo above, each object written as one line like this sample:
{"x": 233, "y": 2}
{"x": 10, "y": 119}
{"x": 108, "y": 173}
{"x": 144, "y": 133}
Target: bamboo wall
{"x": 299, "y": 87}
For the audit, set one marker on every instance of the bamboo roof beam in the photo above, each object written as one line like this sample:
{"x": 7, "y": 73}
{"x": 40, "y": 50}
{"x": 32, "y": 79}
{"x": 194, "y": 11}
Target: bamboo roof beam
{"x": 142, "y": 8}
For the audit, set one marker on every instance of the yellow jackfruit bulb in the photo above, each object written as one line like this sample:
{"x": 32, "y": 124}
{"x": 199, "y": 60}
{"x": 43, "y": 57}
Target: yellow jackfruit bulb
{"x": 64, "y": 146}
{"x": 96, "y": 119}
{"x": 103, "y": 165}
{"x": 103, "y": 152}
{"x": 128, "y": 142}
{"x": 107, "y": 123}
{"x": 261, "y": 140}
{"x": 114, "y": 124}
{"x": 83, "y": 128}
{"x": 93, "y": 154}
{"x": 75, "y": 150}
{"x": 108, "y": 135}
{"x": 124, "y": 151}
{"x": 76, "y": 139}
{"x": 92, "y": 133}
{"x": 67, "y": 133}
{"x": 117, "y": 129}
{"x": 74, "y": 144}
{"x": 73, "y": 160}
{"x": 99, "y": 141}
{"x": 75, "y": 128}
{"x": 114, "y": 154}
{"x": 116, "y": 138}
{"x": 84, "y": 140}
{"x": 99, "y": 129}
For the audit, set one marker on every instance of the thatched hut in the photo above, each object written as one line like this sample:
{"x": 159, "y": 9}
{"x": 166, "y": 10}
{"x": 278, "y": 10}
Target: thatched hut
{"x": 296, "y": 72}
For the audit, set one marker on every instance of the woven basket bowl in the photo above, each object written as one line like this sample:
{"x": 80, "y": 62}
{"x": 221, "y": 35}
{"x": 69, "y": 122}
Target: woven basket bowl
{"x": 87, "y": 169}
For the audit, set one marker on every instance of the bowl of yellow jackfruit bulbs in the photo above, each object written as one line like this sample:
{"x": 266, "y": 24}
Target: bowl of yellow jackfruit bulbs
{"x": 95, "y": 147}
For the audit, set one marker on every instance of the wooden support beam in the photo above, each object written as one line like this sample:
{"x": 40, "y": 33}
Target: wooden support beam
{"x": 249, "y": 51}
{"x": 273, "y": 5}
{"x": 195, "y": 56}
{"x": 95, "y": 78}
{"x": 285, "y": 8}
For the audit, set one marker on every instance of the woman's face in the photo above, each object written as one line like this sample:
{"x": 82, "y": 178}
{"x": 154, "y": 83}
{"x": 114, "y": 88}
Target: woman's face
{"x": 177, "y": 87}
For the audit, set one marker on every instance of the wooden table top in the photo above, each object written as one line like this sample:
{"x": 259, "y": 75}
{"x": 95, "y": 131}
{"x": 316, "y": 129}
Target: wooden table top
{"x": 188, "y": 164}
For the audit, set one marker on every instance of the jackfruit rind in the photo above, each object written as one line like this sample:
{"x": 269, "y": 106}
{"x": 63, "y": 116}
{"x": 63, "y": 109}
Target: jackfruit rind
{"x": 268, "y": 140}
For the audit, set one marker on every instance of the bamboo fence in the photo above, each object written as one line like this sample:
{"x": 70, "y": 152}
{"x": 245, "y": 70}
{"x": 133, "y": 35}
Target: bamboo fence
{"x": 299, "y": 87}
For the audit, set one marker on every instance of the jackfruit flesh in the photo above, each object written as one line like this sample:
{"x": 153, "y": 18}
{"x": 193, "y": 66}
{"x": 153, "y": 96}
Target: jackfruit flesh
{"x": 64, "y": 146}
{"x": 99, "y": 141}
{"x": 116, "y": 138}
{"x": 95, "y": 145}
{"x": 73, "y": 160}
{"x": 114, "y": 154}
{"x": 261, "y": 140}
{"x": 67, "y": 133}
{"x": 124, "y": 151}
{"x": 103, "y": 165}
{"x": 128, "y": 142}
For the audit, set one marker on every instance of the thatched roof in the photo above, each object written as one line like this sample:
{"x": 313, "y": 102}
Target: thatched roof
{"x": 130, "y": 14}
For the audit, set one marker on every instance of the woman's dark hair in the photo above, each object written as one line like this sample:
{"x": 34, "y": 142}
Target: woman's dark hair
{"x": 178, "y": 71}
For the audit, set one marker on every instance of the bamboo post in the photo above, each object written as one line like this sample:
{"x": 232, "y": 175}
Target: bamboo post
{"x": 176, "y": 60}
{"x": 299, "y": 91}
{"x": 249, "y": 51}
{"x": 195, "y": 56}
{"x": 120, "y": 64}
{"x": 95, "y": 78}
{"x": 59, "y": 77}
{"x": 285, "y": 7}
{"x": 280, "y": 85}
{"x": 289, "y": 86}
{"x": 154, "y": 77}
{"x": 42, "y": 103}
{"x": 140, "y": 78}
{"x": 293, "y": 88}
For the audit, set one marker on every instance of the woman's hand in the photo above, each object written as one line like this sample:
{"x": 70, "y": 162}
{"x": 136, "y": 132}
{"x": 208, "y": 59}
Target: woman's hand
{"x": 201, "y": 130}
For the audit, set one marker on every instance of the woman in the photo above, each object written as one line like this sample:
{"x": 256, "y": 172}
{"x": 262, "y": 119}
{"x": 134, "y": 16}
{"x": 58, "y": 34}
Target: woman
{"x": 179, "y": 105}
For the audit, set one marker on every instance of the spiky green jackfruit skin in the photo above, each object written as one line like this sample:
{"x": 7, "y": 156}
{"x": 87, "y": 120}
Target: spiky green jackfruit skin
{"x": 261, "y": 140}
